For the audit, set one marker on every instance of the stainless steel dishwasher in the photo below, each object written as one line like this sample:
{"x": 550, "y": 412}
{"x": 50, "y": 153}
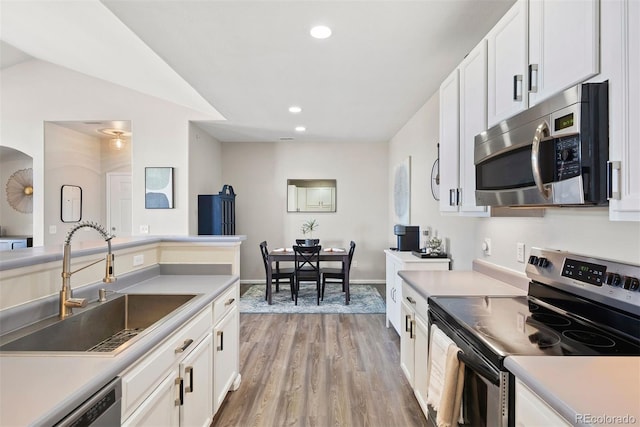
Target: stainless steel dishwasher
{"x": 103, "y": 409}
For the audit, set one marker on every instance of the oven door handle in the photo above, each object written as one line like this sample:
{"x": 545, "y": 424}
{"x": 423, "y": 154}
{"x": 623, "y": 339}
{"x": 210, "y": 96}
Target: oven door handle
{"x": 492, "y": 377}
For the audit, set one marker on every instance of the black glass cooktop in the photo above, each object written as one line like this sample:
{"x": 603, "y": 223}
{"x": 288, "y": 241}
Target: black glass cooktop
{"x": 526, "y": 326}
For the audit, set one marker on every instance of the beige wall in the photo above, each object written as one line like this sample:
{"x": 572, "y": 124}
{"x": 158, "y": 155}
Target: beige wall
{"x": 258, "y": 173}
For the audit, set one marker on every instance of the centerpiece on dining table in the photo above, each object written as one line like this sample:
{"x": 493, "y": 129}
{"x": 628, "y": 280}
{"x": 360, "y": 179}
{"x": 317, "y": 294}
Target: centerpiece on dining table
{"x": 308, "y": 227}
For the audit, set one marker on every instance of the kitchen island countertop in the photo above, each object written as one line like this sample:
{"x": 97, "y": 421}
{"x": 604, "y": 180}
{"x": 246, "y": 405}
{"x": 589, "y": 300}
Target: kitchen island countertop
{"x": 40, "y": 389}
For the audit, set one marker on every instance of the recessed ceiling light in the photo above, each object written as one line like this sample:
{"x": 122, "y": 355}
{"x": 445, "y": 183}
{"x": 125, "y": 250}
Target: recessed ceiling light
{"x": 295, "y": 109}
{"x": 300, "y": 128}
{"x": 320, "y": 32}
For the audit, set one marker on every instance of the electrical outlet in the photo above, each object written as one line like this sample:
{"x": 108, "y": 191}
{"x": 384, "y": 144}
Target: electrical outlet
{"x": 520, "y": 252}
{"x": 144, "y": 229}
{"x": 354, "y": 264}
{"x": 486, "y": 246}
{"x": 138, "y": 259}
{"x": 53, "y": 229}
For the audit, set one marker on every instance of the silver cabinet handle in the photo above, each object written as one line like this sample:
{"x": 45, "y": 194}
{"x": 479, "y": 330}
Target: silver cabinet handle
{"x": 533, "y": 68}
{"x": 541, "y": 131}
{"x": 611, "y": 167}
{"x": 407, "y": 318}
{"x": 230, "y": 301}
{"x": 517, "y": 87}
{"x": 184, "y": 346}
{"x": 221, "y": 346}
{"x": 411, "y": 300}
{"x": 180, "y": 399}
{"x": 189, "y": 370}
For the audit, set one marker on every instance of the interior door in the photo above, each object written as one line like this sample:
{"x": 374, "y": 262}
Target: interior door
{"x": 119, "y": 204}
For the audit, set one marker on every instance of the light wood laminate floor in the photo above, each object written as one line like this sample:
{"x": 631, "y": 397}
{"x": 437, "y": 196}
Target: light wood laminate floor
{"x": 319, "y": 370}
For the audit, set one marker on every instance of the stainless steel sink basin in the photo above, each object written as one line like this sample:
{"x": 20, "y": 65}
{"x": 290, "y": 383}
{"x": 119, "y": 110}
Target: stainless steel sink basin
{"x": 103, "y": 327}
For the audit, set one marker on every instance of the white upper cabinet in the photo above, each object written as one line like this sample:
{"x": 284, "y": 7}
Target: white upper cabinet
{"x": 449, "y": 142}
{"x": 507, "y": 76}
{"x": 564, "y": 45}
{"x": 473, "y": 120}
{"x": 463, "y": 115}
{"x": 621, "y": 65}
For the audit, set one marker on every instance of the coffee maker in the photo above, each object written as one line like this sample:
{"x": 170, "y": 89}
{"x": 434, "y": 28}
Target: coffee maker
{"x": 408, "y": 237}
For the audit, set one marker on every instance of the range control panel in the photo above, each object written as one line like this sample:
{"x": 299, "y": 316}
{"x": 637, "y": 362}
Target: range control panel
{"x": 594, "y": 278}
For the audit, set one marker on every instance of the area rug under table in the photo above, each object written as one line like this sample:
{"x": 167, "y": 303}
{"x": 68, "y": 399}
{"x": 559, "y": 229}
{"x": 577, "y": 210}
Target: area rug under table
{"x": 364, "y": 299}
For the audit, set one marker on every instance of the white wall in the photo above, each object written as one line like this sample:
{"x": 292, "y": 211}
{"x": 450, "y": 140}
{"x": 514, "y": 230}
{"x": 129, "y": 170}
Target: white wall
{"x": 419, "y": 139}
{"x": 205, "y": 170}
{"x": 582, "y": 230}
{"x": 258, "y": 173}
{"x": 35, "y": 91}
{"x": 71, "y": 158}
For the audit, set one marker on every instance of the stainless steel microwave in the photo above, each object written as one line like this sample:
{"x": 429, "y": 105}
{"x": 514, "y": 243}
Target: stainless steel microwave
{"x": 553, "y": 154}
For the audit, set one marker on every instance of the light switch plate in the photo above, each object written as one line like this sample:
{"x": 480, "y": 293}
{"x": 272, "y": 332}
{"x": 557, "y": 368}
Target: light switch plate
{"x": 144, "y": 229}
{"x": 520, "y": 252}
{"x": 138, "y": 259}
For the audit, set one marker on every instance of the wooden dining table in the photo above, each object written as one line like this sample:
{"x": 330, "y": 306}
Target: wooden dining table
{"x": 286, "y": 254}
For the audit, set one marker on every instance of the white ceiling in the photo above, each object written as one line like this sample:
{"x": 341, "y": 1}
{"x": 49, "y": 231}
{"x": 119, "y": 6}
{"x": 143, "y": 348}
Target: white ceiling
{"x": 250, "y": 60}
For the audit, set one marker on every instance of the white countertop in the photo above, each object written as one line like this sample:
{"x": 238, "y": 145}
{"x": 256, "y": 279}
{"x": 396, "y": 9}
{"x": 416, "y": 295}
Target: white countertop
{"x": 40, "y": 389}
{"x": 457, "y": 283}
{"x": 585, "y": 390}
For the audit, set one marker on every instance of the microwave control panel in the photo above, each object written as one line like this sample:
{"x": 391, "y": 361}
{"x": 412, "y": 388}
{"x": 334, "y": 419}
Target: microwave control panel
{"x": 567, "y": 153}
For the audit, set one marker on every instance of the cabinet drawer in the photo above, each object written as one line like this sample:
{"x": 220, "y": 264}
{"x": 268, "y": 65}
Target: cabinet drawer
{"x": 420, "y": 303}
{"x": 138, "y": 380}
{"x": 225, "y": 302}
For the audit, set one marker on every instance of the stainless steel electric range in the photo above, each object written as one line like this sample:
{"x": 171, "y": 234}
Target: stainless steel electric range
{"x": 576, "y": 306}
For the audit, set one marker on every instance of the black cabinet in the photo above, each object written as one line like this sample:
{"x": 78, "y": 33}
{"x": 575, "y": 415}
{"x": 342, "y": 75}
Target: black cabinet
{"x": 217, "y": 212}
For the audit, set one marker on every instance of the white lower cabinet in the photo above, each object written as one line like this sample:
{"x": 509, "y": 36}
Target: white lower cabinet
{"x": 414, "y": 343}
{"x": 226, "y": 356}
{"x": 159, "y": 409}
{"x": 532, "y": 411}
{"x": 398, "y": 261}
{"x": 183, "y": 381}
{"x": 183, "y": 397}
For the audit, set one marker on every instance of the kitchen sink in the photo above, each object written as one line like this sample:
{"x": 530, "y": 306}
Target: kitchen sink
{"x": 101, "y": 327}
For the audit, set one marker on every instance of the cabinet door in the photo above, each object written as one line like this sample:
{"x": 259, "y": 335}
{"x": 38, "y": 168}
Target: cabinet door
{"x": 563, "y": 45}
{"x": 532, "y": 411}
{"x": 390, "y": 289}
{"x": 160, "y": 408}
{"x": 622, "y": 36}
{"x": 407, "y": 340}
{"x": 225, "y": 356}
{"x": 420, "y": 354}
{"x": 473, "y": 120}
{"x": 196, "y": 374}
{"x": 507, "y": 65}
{"x": 449, "y": 142}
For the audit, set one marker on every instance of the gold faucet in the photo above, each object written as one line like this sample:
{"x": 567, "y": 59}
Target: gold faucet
{"x": 67, "y": 302}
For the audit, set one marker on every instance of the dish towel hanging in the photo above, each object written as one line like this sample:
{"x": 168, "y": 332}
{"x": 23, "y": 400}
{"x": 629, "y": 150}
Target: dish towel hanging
{"x": 446, "y": 378}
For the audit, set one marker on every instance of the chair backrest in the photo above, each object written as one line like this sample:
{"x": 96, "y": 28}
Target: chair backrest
{"x": 265, "y": 254}
{"x": 303, "y": 242}
{"x": 307, "y": 258}
{"x": 352, "y": 249}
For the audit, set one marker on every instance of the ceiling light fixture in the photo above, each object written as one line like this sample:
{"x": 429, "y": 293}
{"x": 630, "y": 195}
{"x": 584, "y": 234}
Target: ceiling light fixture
{"x": 320, "y": 32}
{"x": 118, "y": 142}
{"x": 300, "y": 128}
{"x": 295, "y": 109}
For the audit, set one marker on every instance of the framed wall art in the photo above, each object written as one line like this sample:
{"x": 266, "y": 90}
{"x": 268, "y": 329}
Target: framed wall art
{"x": 158, "y": 188}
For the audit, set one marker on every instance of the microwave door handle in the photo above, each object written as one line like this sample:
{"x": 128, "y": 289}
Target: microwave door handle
{"x": 542, "y": 131}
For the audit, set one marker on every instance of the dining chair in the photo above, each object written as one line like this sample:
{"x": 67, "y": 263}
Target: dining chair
{"x": 337, "y": 275}
{"x": 307, "y": 267}
{"x": 277, "y": 273}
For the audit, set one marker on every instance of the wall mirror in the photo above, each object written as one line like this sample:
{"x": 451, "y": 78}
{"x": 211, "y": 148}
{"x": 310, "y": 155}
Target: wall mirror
{"x": 71, "y": 203}
{"x": 311, "y": 195}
